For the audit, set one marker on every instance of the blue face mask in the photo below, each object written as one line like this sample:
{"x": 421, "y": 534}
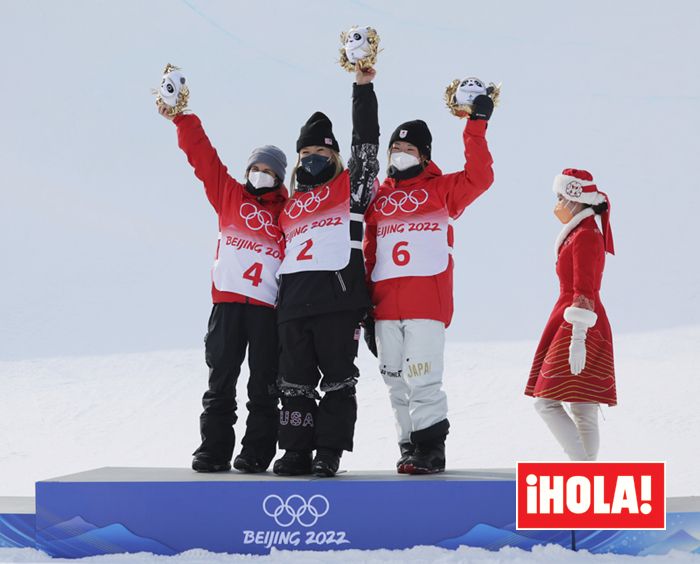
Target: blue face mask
{"x": 315, "y": 164}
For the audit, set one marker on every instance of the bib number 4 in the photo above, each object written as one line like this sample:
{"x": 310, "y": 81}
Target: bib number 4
{"x": 400, "y": 254}
{"x": 254, "y": 274}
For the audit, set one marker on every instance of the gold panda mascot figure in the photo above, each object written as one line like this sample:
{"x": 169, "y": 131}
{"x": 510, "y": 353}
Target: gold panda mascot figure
{"x": 360, "y": 44}
{"x": 460, "y": 94}
{"x": 173, "y": 92}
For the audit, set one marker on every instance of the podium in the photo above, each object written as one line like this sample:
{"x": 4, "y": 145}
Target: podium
{"x": 170, "y": 510}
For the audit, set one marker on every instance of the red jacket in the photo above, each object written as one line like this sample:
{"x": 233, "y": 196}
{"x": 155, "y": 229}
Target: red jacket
{"x": 430, "y": 297}
{"x": 580, "y": 264}
{"x": 224, "y": 192}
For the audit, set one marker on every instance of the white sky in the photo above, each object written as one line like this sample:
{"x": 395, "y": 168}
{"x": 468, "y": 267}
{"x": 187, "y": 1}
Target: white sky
{"x": 106, "y": 237}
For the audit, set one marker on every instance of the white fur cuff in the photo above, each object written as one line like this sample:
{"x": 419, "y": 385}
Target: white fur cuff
{"x": 579, "y": 315}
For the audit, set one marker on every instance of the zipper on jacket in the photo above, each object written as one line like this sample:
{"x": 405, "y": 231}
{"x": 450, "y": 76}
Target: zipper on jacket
{"x": 342, "y": 282}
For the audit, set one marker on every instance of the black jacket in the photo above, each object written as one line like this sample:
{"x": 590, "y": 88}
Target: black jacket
{"x": 303, "y": 294}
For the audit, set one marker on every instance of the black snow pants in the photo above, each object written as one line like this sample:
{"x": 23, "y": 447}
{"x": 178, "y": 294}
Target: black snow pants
{"x": 310, "y": 346}
{"x": 233, "y": 327}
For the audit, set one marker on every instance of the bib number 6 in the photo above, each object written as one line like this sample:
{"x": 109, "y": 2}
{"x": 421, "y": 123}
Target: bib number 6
{"x": 400, "y": 255}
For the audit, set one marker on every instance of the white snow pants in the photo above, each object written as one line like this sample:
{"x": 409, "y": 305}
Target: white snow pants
{"x": 579, "y": 436}
{"x": 411, "y": 359}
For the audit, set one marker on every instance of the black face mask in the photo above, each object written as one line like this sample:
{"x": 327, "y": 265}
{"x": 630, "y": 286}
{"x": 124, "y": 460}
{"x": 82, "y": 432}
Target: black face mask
{"x": 314, "y": 164}
{"x": 314, "y": 170}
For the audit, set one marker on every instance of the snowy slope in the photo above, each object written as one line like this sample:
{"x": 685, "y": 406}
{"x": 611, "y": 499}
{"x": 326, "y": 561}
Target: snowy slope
{"x": 64, "y": 415}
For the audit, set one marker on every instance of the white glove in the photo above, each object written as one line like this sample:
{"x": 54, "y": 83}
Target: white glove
{"x": 577, "y": 349}
{"x": 580, "y": 319}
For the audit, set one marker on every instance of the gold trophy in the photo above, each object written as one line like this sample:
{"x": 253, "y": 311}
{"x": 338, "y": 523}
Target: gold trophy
{"x": 173, "y": 92}
{"x": 359, "y": 45}
{"x": 460, "y": 94}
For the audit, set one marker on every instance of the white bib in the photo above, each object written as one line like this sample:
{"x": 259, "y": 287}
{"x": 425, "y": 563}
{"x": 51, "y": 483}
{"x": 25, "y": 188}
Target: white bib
{"x": 411, "y": 235}
{"x": 249, "y": 255}
{"x": 316, "y": 227}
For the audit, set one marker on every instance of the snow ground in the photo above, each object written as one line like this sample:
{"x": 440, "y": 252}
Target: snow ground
{"x": 548, "y": 554}
{"x": 64, "y": 415}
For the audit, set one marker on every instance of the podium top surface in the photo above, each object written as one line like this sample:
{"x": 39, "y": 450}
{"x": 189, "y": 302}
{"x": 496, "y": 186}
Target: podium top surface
{"x": 126, "y": 474}
{"x": 17, "y": 505}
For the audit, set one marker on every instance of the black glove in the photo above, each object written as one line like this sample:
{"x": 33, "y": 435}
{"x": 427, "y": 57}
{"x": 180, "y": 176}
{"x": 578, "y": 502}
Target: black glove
{"x": 482, "y": 107}
{"x": 368, "y": 324}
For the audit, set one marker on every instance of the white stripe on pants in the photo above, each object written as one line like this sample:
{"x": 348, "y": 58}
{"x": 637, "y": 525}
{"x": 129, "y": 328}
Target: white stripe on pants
{"x": 579, "y": 436}
{"x": 411, "y": 359}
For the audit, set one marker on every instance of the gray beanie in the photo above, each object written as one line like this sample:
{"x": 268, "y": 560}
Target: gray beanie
{"x": 272, "y": 157}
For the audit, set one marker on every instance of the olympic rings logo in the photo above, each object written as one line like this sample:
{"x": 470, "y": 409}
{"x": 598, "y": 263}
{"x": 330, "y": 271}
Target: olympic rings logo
{"x": 295, "y": 509}
{"x": 308, "y": 202}
{"x": 257, "y": 219}
{"x": 407, "y": 202}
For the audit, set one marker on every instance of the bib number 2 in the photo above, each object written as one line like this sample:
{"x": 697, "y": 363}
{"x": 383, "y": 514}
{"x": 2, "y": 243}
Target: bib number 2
{"x": 400, "y": 254}
{"x": 304, "y": 254}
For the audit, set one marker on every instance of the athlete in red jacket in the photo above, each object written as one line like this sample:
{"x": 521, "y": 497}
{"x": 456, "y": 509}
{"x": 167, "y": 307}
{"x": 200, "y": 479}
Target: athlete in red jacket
{"x": 244, "y": 290}
{"x": 408, "y": 254}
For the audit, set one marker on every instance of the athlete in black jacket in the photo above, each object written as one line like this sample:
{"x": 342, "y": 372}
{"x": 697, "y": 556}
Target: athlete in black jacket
{"x": 322, "y": 295}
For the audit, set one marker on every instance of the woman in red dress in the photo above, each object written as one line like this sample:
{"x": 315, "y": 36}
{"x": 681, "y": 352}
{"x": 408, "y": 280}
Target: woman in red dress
{"x": 574, "y": 360}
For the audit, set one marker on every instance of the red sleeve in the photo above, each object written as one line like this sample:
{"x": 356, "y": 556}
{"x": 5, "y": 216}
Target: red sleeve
{"x": 369, "y": 248}
{"x": 203, "y": 157}
{"x": 463, "y": 187}
{"x": 588, "y": 261}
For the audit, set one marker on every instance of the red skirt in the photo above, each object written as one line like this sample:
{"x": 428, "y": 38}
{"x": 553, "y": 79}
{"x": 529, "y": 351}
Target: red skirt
{"x": 551, "y": 377}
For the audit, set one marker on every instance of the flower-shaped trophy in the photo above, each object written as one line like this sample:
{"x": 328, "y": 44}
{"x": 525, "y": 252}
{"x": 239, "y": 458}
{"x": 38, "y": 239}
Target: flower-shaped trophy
{"x": 360, "y": 44}
{"x": 173, "y": 92}
{"x": 460, "y": 94}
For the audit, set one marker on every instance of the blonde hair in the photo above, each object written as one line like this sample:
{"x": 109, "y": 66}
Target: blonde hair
{"x": 335, "y": 159}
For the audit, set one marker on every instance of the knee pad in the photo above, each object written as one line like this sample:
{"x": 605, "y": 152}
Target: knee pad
{"x": 346, "y": 392}
{"x": 292, "y": 390}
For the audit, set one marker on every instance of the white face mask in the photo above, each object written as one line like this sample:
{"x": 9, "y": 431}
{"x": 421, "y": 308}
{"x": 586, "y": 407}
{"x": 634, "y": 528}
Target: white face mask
{"x": 261, "y": 179}
{"x": 403, "y": 161}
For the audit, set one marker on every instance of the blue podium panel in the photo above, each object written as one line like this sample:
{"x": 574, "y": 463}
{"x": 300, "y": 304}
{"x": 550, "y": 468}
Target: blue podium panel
{"x": 166, "y": 511}
{"x": 17, "y": 522}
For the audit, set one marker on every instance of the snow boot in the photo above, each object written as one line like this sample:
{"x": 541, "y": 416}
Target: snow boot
{"x": 326, "y": 462}
{"x": 204, "y": 463}
{"x": 293, "y": 463}
{"x": 248, "y": 462}
{"x": 428, "y": 458}
{"x": 407, "y": 450}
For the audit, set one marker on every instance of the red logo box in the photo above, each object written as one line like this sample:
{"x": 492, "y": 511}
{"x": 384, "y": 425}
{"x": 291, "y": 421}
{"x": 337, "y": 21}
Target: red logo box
{"x": 591, "y": 495}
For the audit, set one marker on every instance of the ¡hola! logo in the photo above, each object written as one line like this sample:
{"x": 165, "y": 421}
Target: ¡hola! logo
{"x": 591, "y": 495}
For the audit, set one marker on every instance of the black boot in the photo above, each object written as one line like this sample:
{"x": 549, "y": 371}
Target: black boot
{"x": 293, "y": 463}
{"x": 407, "y": 450}
{"x": 428, "y": 458}
{"x": 248, "y": 461}
{"x": 326, "y": 462}
{"x": 204, "y": 463}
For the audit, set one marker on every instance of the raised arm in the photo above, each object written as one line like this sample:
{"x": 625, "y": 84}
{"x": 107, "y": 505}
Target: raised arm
{"x": 465, "y": 186}
{"x": 363, "y": 164}
{"x": 204, "y": 159}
